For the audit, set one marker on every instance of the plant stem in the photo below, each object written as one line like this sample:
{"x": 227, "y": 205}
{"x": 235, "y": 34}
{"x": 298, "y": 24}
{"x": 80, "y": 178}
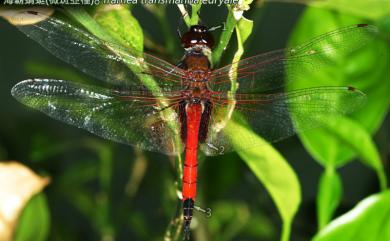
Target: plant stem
{"x": 184, "y": 14}
{"x": 286, "y": 230}
{"x": 195, "y": 13}
{"x": 224, "y": 38}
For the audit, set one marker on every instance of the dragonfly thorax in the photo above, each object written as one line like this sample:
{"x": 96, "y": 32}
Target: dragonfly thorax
{"x": 197, "y": 66}
{"x": 199, "y": 76}
{"x": 197, "y": 92}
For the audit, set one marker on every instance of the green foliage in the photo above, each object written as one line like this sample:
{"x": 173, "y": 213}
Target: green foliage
{"x": 265, "y": 162}
{"x": 329, "y": 196}
{"x": 372, "y": 9}
{"x": 34, "y": 222}
{"x": 351, "y": 134}
{"x": 121, "y": 25}
{"x": 343, "y": 138}
{"x": 368, "y": 221}
{"x": 235, "y": 217}
{"x": 275, "y": 174}
{"x": 346, "y": 70}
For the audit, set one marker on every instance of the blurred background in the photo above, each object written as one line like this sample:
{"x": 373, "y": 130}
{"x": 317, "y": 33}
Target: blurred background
{"x": 101, "y": 190}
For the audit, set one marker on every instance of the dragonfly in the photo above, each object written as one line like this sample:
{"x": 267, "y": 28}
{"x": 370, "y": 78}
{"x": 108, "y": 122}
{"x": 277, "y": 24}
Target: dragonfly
{"x": 151, "y": 104}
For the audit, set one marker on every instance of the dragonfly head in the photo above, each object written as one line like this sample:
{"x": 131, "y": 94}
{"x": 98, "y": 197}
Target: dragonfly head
{"x": 197, "y": 35}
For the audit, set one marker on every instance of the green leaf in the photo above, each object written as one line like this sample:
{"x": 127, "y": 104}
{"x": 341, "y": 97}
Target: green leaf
{"x": 372, "y": 9}
{"x": 329, "y": 196}
{"x": 34, "y": 222}
{"x": 368, "y": 221}
{"x": 383, "y": 24}
{"x": 343, "y": 138}
{"x": 120, "y": 24}
{"x": 273, "y": 171}
{"x": 346, "y": 130}
{"x": 116, "y": 25}
{"x": 267, "y": 164}
{"x": 82, "y": 17}
{"x": 332, "y": 145}
{"x": 99, "y": 31}
{"x": 245, "y": 27}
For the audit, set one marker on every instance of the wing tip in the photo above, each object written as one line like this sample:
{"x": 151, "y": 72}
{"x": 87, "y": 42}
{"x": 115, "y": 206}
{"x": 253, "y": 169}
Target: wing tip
{"x": 361, "y": 25}
{"x": 351, "y": 88}
{"x": 16, "y": 89}
{"x": 355, "y": 90}
{"x": 23, "y": 86}
{"x": 371, "y": 28}
{"x": 360, "y": 98}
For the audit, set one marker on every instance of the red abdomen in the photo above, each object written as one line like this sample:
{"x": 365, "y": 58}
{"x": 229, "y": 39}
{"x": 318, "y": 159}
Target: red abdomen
{"x": 194, "y": 114}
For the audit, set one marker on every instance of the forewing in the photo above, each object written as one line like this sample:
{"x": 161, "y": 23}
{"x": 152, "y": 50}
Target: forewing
{"x": 127, "y": 117}
{"x": 276, "y": 116}
{"x": 103, "y": 60}
{"x": 267, "y": 71}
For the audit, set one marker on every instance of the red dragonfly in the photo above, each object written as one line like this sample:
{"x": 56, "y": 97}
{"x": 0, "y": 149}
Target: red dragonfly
{"x": 157, "y": 106}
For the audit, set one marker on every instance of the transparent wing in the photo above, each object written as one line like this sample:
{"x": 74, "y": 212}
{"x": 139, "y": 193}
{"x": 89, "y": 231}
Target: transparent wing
{"x": 131, "y": 117}
{"x": 106, "y": 61}
{"x": 266, "y": 72}
{"x": 276, "y": 116}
